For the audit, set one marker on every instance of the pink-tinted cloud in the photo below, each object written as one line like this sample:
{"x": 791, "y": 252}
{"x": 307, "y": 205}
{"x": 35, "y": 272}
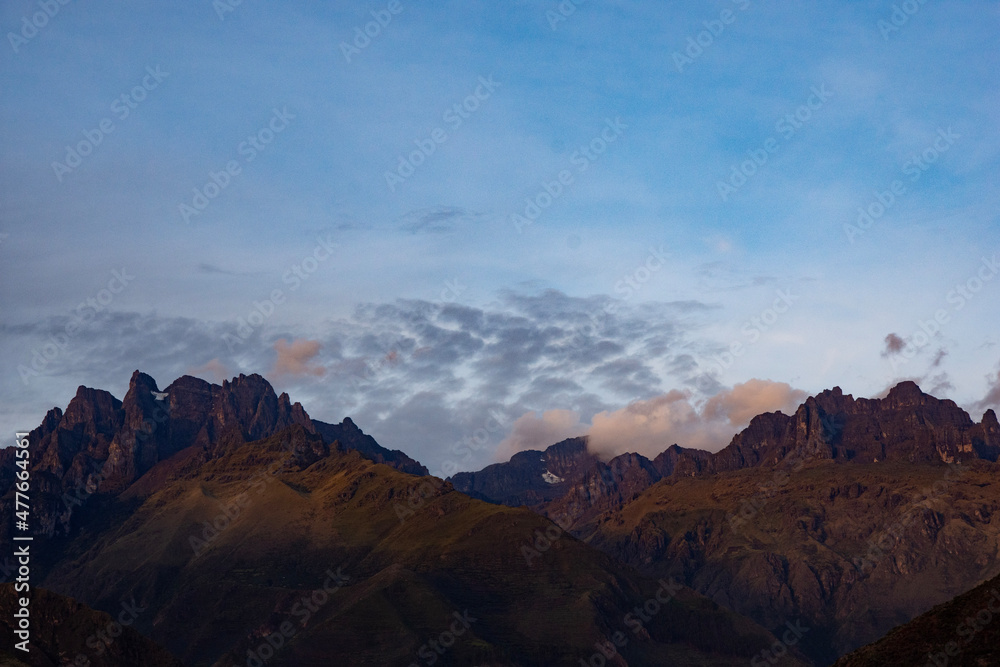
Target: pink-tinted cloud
{"x": 533, "y": 432}
{"x": 649, "y": 427}
{"x": 745, "y": 401}
{"x": 296, "y": 357}
{"x": 213, "y": 371}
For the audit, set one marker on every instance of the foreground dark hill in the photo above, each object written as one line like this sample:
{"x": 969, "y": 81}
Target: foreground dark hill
{"x": 963, "y": 632}
{"x": 287, "y": 535}
{"x": 67, "y": 632}
{"x": 851, "y": 550}
{"x": 851, "y": 515}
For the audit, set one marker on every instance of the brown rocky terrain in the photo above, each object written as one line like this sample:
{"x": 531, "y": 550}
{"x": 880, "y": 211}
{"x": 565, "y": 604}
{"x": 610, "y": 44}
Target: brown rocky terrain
{"x": 221, "y": 506}
{"x": 241, "y": 546}
{"x": 67, "y": 632}
{"x": 963, "y": 632}
{"x": 853, "y": 515}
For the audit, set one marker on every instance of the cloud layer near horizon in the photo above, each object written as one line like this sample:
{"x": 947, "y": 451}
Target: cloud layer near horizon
{"x": 426, "y": 377}
{"x": 650, "y": 426}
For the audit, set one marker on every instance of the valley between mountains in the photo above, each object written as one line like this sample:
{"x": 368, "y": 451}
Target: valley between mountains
{"x": 239, "y": 531}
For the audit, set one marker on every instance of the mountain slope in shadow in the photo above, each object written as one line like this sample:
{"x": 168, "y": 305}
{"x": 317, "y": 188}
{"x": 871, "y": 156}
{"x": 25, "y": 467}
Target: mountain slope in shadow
{"x": 290, "y": 551}
{"x": 63, "y": 631}
{"x": 963, "y": 632}
{"x": 852, "y": 515}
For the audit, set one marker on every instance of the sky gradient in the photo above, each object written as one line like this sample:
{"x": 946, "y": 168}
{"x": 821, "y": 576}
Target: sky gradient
{"x": 620, "y": 217}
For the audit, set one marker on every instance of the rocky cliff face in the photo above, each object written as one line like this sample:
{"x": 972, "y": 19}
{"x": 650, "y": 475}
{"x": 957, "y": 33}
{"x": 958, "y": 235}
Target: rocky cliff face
{"x": 907, "y": 425}
{"x": 350, "y": 436}
{"x": 101, "y": 445}
{"x": 531, "y": 477}
{"x": 850, "y": 549}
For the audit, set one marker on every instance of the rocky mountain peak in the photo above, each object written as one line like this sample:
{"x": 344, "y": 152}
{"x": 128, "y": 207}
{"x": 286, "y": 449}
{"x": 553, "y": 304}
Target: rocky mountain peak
{"x": 906, "y": 393}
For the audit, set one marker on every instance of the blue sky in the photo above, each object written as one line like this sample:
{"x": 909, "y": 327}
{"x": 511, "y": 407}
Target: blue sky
{"x": 437, "y": 306}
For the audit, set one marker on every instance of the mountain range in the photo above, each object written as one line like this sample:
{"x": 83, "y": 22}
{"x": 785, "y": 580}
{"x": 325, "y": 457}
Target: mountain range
{"x": 249, "y": 533}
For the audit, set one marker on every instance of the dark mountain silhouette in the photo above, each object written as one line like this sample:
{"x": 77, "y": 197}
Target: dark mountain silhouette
{"x": 103, "y": 445}
{"x": 351, "y": 437}
{"x": 221, "y": 507}
{"x": 247, "y": 536}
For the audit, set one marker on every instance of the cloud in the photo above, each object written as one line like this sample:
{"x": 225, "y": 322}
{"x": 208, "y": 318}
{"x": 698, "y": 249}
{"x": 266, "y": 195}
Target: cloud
{"x": 936, "y": 383}
{"x": 745, "y": 401}
{"x": 992, "y": 397}
{"x": 650, "y": 426}
{"x": 894, "y": 344}
{"x": 436, "y": 220}
{"x": 295, "y": 358}
{"x": 940, "y": 384}
{"x": 533, "y": 432}
{"x": 417, "y": 375}
{"x": 213, "y": 371}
